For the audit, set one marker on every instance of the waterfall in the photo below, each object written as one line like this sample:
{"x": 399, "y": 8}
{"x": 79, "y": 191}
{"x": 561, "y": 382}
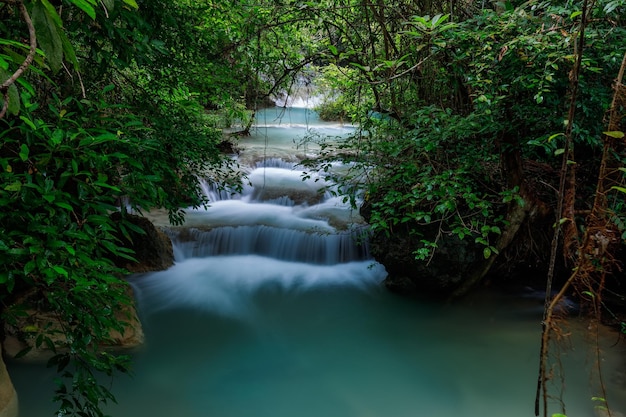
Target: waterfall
{"x": 281, "y": 212}
{"x": 274, "y": 308}
{"x": 273, "y": 242}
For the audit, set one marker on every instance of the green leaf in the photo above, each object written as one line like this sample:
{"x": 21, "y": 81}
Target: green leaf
{"x": 105, "y": 137}
{"x": 361, "y": 67}
{"x": 555, "y": 136}
{"x": 611, "y": 6}
{"x": 26, "y": 85}
{"x": 23, "y": 352}
{"x": 68, "y": 50}
{"x": 105, "y": 185}
{"x": 52, "y": 13}
{"x": 64, "y": 205}
{"x": 98, "y": 219}
{"x": 109, "y": 4}
{"x": 14, "y": 95}
{"x": 28, "y": 122}
{"x": 60, "y": 270}
{"x": 15, "y": 44}
{"x": 575, "y": 14}
{"x": 18, "y": 251}
{"x": 559, "y": 151}
{"x": 86, "y": 7}
{"x": 132, "y": 4}
{"x": 486, "y": 253}
{"x": 14, "y": 100}
{"x": 29, "y": 267}
{"x": 110, "y": 246}
{"x": 48, "y": 36}
{"x": 621, "y": 189}
{"x": 24, "y": 152}
{"x": 615, "y": 134}
{"x": 15, "y": 186}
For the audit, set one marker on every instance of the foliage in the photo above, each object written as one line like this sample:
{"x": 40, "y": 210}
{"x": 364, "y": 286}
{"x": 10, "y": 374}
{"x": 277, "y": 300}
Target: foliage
{"x": 342, "y": 97}
{"x": 454, "y": 91}
{"x": 88, "y": 134}
{"x": 428, "y": 180}
{"x": 60, "y": 182}
{"x": 116, "y": 104}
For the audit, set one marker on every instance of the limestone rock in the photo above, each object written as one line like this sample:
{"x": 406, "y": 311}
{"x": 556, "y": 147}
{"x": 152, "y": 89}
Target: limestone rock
{"x": 23, "y": 335}
{"x": 8, "y": 396}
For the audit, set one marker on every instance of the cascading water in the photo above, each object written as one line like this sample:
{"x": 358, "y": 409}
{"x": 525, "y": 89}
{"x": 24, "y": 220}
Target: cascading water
{"x": 274, "y": 308}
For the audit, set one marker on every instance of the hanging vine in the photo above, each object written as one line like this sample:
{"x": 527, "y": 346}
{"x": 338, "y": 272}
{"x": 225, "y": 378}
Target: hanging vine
{"x": 594, "y": 252}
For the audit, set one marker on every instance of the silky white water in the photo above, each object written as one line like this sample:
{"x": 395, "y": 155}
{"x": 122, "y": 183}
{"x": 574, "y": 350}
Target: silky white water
{"x": 275, "y": 309}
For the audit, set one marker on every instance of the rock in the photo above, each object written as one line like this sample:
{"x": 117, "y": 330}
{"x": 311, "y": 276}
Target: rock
{"x": 153, "y": 249}
{"x": 24, "y": 333}
{"x": 603, "y": 412}
{"x": 8, "y": 396}
{"x": 452, "y": 262}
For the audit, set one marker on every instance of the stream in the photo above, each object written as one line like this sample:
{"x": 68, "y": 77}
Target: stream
{"x": 274, "y": 308}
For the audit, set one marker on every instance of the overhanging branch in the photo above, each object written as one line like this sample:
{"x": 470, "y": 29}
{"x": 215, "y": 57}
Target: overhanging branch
{"x": 4, "y": 88}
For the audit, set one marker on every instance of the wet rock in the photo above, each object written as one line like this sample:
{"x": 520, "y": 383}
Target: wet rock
{"x": 452, "y": 262}
{"x": 153, "y": 250}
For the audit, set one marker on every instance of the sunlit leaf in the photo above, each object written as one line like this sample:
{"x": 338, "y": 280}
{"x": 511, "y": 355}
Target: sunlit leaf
{"x": 132, "y": 4}
{"x": 52, "y": 13}
{"x": 85, "y": 6}
{"x": 575, "y": 14}
{"x": 24, "y": 152}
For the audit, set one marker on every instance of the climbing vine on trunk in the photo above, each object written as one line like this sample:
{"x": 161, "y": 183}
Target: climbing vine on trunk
{"x": 595, "y": 251}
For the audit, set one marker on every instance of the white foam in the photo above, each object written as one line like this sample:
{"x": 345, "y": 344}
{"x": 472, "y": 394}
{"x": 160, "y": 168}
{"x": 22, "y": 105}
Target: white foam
{"x": 227, "y": 284}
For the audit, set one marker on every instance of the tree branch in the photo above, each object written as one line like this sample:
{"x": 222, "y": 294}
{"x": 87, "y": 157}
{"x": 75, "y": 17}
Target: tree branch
{"x": 4, "y": 88}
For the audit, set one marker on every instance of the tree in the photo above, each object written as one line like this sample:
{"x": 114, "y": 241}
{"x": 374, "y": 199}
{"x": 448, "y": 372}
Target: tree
{"x": 76, "y": 147}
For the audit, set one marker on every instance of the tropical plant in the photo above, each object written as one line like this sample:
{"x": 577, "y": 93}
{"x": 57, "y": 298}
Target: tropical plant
{"x": 78, "y": 145}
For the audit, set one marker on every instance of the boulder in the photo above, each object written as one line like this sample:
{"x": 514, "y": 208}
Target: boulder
{"x": 153, "y": 249}
{"x": 8, "y": 396}
{"x": 24, "y": 333}
{"x": 453, "y": 260}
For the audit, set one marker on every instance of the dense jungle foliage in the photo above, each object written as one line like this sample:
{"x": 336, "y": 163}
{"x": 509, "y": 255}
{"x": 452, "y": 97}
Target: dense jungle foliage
{"x": 466, "y": 130}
